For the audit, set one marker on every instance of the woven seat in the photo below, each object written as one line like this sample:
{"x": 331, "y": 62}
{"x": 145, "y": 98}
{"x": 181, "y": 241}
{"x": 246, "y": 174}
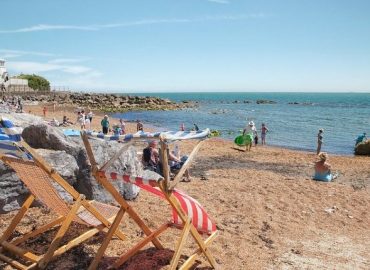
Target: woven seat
{"x": 40, "y": 178}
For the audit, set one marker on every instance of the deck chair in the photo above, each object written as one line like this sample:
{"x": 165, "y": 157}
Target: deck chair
{"x": 188, "y": 214}
{"x": 38, "y": 176}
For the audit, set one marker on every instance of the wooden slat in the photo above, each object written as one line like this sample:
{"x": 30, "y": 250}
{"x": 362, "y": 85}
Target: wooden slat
{"x": 190, "y": 261}
{"x": 132, "y": 213}
{"x": 56, "y": 177}
{"x": 38, "y": 231}
{"x": 107, "y": 239}
{"x": 88, "y": 149}
{"x": 115, "y": 194}
{"x": 101, "y": 218}
{"x": 51, "y": 172}
{"x": 21, "y": 252}
{"x": 164, "y": 157}
{"x": 116, "y": 156}
{"x": 81, "y": 238}
{"x": 199, "y": 240}
{"x": 12, "y": 262}
{"x": 62, "y": 230}
{"x": 186, "y": 165}
{"x": 26, "y": 205}
{"x": 139, "y": 245}
{"x": 180, "y": 245}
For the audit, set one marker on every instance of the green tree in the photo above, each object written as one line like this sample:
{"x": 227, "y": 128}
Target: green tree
{"x": 36, "y": 82}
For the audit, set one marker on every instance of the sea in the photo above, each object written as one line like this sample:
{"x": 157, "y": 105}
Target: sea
{"x": 293, "y": 119}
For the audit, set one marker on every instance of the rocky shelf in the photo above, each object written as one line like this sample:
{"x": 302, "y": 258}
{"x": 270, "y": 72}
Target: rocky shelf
{"x": 107, "y": 102}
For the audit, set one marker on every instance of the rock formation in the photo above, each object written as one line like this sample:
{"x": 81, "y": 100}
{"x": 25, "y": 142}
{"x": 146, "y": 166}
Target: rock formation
{"x": 67, "y": 155}
{"x": 107, "y": 102}
{"x": 363, "y": 148}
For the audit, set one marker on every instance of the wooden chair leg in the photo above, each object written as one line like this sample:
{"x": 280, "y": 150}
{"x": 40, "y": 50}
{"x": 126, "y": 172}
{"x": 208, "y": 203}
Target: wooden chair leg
{"x": 180, "y": 245}
{"x": 176, "y": 206}
{"x": 62, "y": 230}
{"x": 107, "y": 239}
{"x": 190, "y": 261}
{"x": 26, "y": 205}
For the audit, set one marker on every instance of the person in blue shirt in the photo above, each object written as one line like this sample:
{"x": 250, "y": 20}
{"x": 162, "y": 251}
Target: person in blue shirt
{"x": 361, "y": 138}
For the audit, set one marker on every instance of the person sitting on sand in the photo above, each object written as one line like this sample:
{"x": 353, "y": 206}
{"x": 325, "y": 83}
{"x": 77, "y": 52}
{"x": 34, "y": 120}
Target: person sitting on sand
{"x": 150, "y": 157}
{"x": 323, "y": 169}
{"x": 66, "y": 122}
{"x": 176, "y": 162}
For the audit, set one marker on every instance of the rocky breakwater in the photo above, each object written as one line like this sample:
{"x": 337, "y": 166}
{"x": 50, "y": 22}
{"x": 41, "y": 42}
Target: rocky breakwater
{"x": 68, "y": 157}
{"x": 108, "y": 102}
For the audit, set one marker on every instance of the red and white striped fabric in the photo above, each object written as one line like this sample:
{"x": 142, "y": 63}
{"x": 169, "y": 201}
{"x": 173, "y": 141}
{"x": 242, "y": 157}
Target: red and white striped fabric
{"x": 191, "y": 207}
{"x": 130, "y": 179}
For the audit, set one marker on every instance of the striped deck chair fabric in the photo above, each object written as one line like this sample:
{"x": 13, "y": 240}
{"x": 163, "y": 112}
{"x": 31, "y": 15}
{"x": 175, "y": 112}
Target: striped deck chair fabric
{"x": 192, "y": 207}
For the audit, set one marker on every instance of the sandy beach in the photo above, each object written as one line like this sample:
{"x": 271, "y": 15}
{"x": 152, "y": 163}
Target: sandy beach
{"x": 269, "y": 213}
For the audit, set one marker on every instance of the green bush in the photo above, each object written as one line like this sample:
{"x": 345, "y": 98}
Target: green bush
{"x": 36, "y": 82}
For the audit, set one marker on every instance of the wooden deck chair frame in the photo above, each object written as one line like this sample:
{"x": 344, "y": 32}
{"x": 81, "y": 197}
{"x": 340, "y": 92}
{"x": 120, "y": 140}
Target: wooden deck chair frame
{"x": 40, "y": 261}
{"x": 166, "y": 186}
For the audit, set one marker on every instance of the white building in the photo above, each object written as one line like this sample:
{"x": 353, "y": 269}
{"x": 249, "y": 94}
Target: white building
{"x": 11, "y": 84}
{"x": 3, "y": 73}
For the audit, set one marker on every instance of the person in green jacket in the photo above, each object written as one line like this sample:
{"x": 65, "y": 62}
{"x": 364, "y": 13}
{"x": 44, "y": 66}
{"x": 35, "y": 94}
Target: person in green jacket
{"x": 105, "y": 124}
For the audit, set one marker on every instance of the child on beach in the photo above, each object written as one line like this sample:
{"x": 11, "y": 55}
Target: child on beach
{"x": 81, "y": 120}
{"x": 105, "y": 124}
{"x": 44, "y": 110}
{"x": 139, "y": 126}
{"x": 123, "y": 126}
{"x": 264, "y": 130}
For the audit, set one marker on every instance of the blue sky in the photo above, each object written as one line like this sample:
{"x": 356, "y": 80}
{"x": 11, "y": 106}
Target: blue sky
{"x": 190, "y": 45}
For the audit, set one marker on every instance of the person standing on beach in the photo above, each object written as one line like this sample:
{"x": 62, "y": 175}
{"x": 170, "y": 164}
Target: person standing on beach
{"x": 81, "y": 120}
{"x": 123, "y": 126}
{"x": 90, "y": 116}
{"x": 249, "y": 132}
{"x": 319, "y": 141}
{"x": 105, "y": 124}
{"x": 264, "y": 130}
{"x": 44, "y": 110}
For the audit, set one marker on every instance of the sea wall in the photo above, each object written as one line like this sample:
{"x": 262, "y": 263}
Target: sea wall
{"x": 106, "y": 102}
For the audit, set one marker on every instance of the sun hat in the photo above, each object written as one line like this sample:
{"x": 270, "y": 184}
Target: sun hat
{"x": 323, "y": 156}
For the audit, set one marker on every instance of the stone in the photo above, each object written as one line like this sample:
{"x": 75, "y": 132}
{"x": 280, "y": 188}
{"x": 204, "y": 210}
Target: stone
{"x": 12, "y": 191}
{"x": 363, "y": 148}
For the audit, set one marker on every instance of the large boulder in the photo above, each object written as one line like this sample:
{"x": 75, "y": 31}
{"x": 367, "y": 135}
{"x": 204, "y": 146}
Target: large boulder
{"x": 12, "y": 191}
{"x": 47, "y": 137}
{"x": 65, "y": 165}
{"x": 363, "y": 148}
